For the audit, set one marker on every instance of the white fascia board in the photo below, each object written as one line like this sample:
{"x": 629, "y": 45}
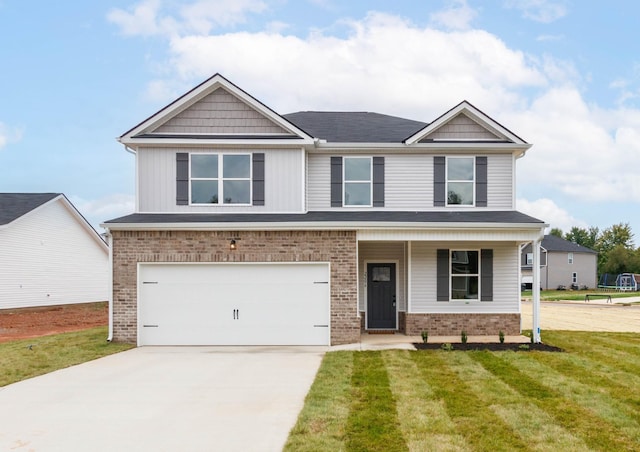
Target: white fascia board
{"x": 435, "y": 146}
{"x": 325, "y": 225}
{"x": 195, "y": 142}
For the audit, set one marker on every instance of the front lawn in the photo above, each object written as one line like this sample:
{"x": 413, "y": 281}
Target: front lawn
{"x": 26, "y": 358}
{"x": 586, "y": 398}
{"x": 557, "y": 295}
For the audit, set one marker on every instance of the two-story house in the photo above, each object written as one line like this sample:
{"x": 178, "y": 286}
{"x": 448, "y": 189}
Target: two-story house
{"x": 253, "y": 227}
{"x": 562, "y": 264}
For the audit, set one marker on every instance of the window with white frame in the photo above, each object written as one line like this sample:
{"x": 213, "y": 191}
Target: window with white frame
{"x": 220, "y": 178}
{"x": 529, "y": 258}
{"x": 570, "y": 258}
{"x": 357, "y": 181}
{"x": 460, "y": 181}
{"x": 465, "y": 274}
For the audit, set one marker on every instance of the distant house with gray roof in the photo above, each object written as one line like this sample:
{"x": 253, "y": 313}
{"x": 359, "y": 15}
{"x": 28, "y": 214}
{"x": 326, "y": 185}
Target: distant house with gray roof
{"x": 562, "y": 263}
{"x": 49, "y": 253}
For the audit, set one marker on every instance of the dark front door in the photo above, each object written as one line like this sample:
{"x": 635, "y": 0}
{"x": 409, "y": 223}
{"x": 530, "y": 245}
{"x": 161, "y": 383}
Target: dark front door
{"x": 381, "y": 296}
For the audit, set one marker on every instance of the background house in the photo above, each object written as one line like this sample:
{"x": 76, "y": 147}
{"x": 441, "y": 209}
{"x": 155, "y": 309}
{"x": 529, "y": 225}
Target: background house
{"x": 562, "y": 263}
{"x": 49, "y": 254}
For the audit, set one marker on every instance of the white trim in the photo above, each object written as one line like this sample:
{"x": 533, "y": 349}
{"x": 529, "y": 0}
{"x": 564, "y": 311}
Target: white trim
{"x": 474, "y": 114}
{"x": 478, "y": 275}
{"x": 366, "y": 295}
{"x": 110, "y": 286}
{"x": 472, "y": 181}
{"x": 362, "y": 182}
{"x": 409, "y": 294}
{"x": 221, "y": 179}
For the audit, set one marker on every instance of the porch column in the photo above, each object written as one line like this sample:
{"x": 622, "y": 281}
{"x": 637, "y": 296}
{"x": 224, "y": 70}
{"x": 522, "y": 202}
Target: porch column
{"x": 535, "y": 248}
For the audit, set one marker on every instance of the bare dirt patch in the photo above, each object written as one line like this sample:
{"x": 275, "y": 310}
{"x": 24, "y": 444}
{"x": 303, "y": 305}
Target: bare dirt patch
{"x": 26, "y": 323}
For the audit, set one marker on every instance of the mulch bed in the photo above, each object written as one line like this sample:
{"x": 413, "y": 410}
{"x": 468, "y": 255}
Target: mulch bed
{"x": 492, "y": 347}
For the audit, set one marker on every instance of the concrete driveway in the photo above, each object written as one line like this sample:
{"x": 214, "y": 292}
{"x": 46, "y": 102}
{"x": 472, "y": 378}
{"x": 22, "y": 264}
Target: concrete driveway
{"x": 163, "y": 399}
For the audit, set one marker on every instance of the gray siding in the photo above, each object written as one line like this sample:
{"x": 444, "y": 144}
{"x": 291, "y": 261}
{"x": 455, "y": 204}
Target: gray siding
{"x": 558, "y": 270}
{"x": 220, "y": 112}
{"x": 409, "y": 182}
{"x": 423, "y": 290}
{"x": 373, "y": 252}
{"x": 283, "y": 186}
{"x": 461, "y": 127}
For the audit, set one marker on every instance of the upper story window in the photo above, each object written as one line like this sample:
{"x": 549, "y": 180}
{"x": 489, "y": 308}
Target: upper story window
{"x": 570, "y": 258}
{"x": 529, "y": 258}
{"x": 357, "y": 181}
{"x": 220, "y": 179}
{"x": 460, "y": 181}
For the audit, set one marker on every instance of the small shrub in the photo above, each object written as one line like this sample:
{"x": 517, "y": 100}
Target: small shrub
{"x": 447, "y": 347}
{"x": 425, "y": 336}
{"x": 501, "y": 337}
{"x": 523, "y": 347}
{"x": 463, "y": 336}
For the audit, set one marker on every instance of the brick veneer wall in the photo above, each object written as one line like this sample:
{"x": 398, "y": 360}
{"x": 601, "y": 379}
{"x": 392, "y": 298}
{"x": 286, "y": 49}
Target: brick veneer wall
{"x": 453, "y": 324}
{"x": 338, "y": 247}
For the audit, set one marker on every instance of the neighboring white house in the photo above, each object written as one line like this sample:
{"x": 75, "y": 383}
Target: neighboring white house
{"x": 49, "y": 253}
{"x": 313, "y": 227}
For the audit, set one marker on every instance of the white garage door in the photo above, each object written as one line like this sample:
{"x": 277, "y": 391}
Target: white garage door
{"x": 233, "y": 304}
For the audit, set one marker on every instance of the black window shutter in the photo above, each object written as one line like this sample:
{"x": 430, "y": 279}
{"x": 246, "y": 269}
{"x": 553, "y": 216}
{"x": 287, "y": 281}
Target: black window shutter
{"x": 378, "y": 182}
{"x": 481, "y": 181}
{"x": 439, "y": 182}
{"x": 442, "y": 277}
{"x": 258, "y": 178}
{"x": 182, "y": 179}
{"x": 336, "y": 181}
{"x": 486, "y": 275}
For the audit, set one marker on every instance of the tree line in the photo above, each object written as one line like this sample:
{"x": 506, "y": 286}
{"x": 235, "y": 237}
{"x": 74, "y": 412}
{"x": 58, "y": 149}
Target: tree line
{"x": 616, "y": 250}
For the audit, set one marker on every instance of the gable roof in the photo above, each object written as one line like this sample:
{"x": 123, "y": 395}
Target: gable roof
{"x": 354, "y": 127}
{"x": 15, "y": 205}
{"x": 554, "y": 243}
{"x": 144, "y": 131}
{"x": 501, "y": 133}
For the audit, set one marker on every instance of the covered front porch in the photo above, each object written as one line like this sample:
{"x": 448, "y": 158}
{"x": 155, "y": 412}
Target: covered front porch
{"x": 443, "y": 282}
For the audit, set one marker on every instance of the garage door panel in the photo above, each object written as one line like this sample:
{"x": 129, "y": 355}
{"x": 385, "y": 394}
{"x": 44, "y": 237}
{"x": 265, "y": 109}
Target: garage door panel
{"x": 234, "y": 304}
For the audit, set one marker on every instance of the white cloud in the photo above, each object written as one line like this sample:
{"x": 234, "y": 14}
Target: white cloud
{"x": 102, "y": 209}
{"x": 156, "y": 17}
{"x": 458, "y": 15}
{"x": 548, "y": 211}
{"x": 9, "y": 134}
{"x": 545, "y": 11}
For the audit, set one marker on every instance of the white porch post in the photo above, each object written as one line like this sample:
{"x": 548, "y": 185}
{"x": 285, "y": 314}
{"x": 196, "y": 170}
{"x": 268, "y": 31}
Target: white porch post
{"x": 535, "y": 245}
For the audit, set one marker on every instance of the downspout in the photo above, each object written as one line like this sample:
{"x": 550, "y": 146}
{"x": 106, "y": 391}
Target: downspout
{"x": 110, "y": 285}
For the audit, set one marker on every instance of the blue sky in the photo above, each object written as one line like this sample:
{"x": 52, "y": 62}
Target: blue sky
{"x": 562, "y": 74}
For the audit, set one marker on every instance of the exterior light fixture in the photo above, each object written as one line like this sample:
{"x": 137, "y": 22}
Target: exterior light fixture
{"x": 232, "y": 244}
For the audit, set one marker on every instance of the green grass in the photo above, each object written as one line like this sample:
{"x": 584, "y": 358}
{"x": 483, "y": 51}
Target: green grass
{"x": 573, "y": 295}
{"x": 28, "y": 358}
{"x": 587, "y": 398}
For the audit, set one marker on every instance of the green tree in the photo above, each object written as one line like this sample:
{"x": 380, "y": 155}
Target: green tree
{"x": 618, "y": 260}
{"x": 617, "y": 236}
{"x": 583, "y": 237}
{"x": 556, "y": 231}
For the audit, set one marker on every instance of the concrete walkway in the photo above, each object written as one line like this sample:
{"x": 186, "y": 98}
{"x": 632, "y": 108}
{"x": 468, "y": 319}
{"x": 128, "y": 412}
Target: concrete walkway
{"x": 163, "y": 399}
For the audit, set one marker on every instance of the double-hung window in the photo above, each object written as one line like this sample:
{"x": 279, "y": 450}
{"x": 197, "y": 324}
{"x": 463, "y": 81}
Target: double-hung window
{"x": 570, "y": 258}
{"x": 220, "y": 179}
{"x": 357, "y": 181}
{"x": 465, "y": 275}
{"x": 460, "y": 181}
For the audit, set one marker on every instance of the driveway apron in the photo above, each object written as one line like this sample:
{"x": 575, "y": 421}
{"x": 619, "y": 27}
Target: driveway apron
{"x": 163, "y": 399}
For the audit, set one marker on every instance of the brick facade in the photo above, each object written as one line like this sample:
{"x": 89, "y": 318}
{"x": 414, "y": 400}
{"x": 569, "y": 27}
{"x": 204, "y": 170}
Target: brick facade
{"x": 453, "y": 324}
{"x": 337, "y": 247}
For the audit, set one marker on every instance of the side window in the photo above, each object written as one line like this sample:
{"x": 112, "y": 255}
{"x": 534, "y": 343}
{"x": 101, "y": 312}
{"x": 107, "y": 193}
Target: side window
{"x": 529, "y": 258}
{"x": 460, "y": 181}
{"x": 357, "y": 181}
{"x": 220, "y": 179}
{"x": 570, "y": 258}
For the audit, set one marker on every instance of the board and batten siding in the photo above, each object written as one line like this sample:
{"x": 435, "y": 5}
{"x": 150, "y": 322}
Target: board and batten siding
{"x": 48, "y": 258}
{"x": 506, "y": 286}
{"x": 408, "y": 182}
{"x": 379, "y": 252}
{"x": 284, "y": 189}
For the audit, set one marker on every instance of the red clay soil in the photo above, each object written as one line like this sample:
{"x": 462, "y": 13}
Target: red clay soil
{"x": 26, "y": 323}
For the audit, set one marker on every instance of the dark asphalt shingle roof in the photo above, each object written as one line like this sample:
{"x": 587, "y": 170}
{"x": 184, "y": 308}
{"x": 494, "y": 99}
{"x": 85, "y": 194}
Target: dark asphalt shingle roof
{"x": 555, "y": 243}
{"x": 318, "y": 217}
{"x": 15, "y": 205}
{"x": 354, "y": 127}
